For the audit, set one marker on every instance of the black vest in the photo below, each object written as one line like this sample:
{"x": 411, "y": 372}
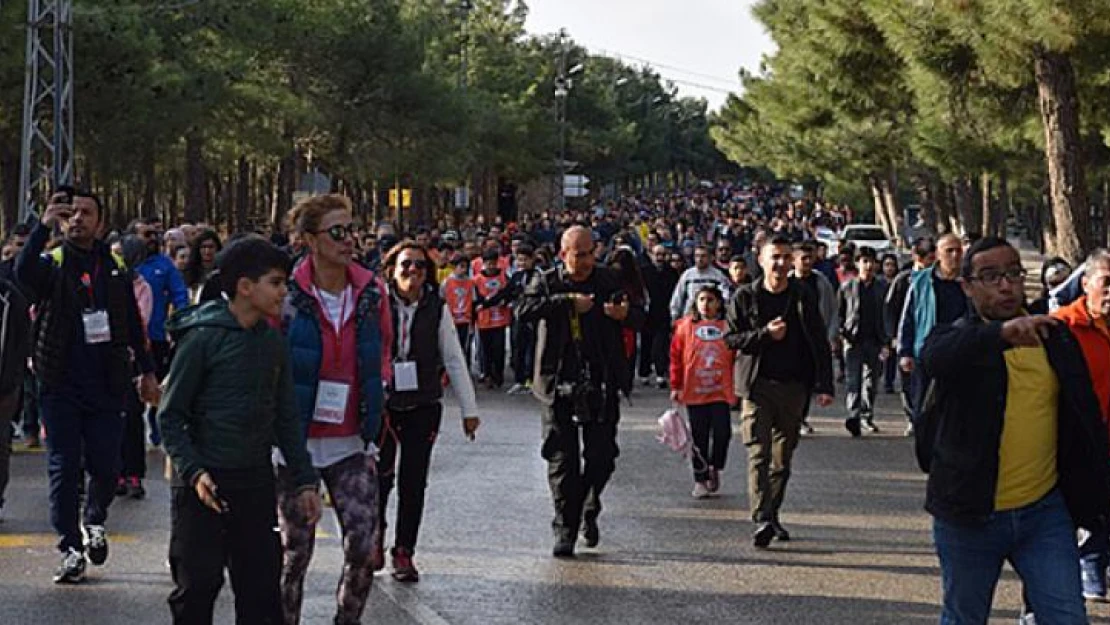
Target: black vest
{"x": 423, "y": 350}
{"x": 60, "y": 313}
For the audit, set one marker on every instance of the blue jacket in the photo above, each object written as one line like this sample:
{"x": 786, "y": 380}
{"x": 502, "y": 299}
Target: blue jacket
{"x": 301, "y": 322}
{"x": 167, "y": 286}
{"x": 919, "y": 316}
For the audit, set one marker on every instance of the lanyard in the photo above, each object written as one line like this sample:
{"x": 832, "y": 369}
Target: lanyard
{"x": 575, "y": 327}
{"x": 89, "y": 282}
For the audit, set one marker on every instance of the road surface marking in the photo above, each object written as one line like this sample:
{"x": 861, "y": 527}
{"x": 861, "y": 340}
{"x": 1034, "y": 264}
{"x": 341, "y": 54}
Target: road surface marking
{"x": 18, "y": 541}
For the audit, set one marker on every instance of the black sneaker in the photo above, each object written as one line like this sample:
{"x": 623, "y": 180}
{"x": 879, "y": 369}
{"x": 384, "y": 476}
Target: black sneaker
{"x": 590, "y": 533}
{"x": 780, "y": 532}
{"x": 563, "y": 549}
{"x": 96, "y": 544}
{"x": 72, "y": 568}
{"x": 853, "y": 427}
{"x": 764, "y": 532}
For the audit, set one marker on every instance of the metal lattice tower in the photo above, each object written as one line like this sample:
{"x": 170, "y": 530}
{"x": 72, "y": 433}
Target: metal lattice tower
{"x": 47, "y": 151}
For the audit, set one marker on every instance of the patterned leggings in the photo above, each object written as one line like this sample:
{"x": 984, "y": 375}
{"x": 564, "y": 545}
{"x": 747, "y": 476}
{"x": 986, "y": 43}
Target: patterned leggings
{"x": 354, "y": 493}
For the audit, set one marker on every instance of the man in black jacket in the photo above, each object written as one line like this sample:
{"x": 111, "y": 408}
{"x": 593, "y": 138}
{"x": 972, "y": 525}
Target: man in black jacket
{"x": 581, "y": 371}
{"x": 655, "y": 339}
{"x": 1010, "y": 434}
{"x": 860, "y": 311}
{"x": 782, "y": 356}
{"x": 86, "y": 330}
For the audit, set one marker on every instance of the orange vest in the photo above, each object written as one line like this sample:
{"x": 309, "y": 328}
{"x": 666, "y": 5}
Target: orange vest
{"x": 476, "y": 264}
{"x": 490, "y": 318}
{"x": 701, "y": 363}
{"x": 459, "y": 293}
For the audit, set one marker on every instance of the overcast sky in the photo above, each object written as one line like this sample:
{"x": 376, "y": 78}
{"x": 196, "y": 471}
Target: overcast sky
{"x": 700, "y": 44}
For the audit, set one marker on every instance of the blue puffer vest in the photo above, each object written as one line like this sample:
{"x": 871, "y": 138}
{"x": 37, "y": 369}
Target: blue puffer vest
{"x": 301, "y": 324}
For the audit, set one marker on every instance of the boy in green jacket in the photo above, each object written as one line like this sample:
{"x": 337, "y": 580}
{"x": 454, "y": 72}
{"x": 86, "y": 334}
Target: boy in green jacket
{"x": 229, "y": 399}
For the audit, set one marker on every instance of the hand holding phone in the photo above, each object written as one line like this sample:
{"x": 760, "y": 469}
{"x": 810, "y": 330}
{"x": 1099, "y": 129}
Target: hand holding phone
{"x": 59, "y": 210}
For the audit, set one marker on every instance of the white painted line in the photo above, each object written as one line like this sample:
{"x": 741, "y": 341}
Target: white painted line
{"x": 400, "y": 595}
{"x": 407, "y": 600}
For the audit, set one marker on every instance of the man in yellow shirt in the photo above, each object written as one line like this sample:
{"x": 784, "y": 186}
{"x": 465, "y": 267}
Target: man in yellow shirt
{"x": 1012, "y": 439}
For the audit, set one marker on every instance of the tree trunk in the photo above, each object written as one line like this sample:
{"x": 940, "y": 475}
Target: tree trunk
{"x": 1005, "y": 205}
{"x": 196, "y": 182}
{"x": 893, "y": 209}
{"x": 880, "y": 204}
{"x": 967, "y": 209}
{"x": 926, "y": 203}
{"x": 946, "y": 216}
{"x": 285, "y": 183}
{"x": 9, "y": 182}
{"x": 242, "y": 194}
{"x": 1059, "y": 105}
{"x": 150, "y": 182}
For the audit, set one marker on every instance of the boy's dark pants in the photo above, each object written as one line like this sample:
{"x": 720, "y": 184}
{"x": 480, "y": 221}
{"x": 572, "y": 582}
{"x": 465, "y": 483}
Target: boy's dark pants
{"x": 203, "y": 543}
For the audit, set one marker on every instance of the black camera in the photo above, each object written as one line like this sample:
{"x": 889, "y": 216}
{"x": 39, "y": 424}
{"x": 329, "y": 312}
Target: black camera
{"x": 585, "y": 398}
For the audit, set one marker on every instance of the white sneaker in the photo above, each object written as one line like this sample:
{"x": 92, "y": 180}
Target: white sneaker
{"x": 701, "y": 491}
{"x": 1027, "y": 619}
{"x": 516, "y": 389}
{"x": 96, "y": 544}
{"x": 806, "y": 429}
{"x": 909, "y": 430}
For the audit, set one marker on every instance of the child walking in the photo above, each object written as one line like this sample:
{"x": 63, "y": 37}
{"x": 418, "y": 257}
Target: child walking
{"x": 701, "y": 379}
{"x": 229, "y": 397}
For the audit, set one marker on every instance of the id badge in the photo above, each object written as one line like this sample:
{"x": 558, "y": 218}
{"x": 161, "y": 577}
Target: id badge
{"x": 96, "y": 327}
{"x": 404, "y": 376}
{"x": 331, "y": 402}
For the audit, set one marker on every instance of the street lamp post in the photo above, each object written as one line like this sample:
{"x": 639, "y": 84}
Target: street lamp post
{"x": 462, "y": 194}
{"x": 563, "y": 84}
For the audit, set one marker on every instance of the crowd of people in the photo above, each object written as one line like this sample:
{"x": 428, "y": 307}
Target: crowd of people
{"x": 266, "y": 366}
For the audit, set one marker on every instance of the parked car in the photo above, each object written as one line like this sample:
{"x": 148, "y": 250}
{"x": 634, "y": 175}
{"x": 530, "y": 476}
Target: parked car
{"x": 865, "y": 235}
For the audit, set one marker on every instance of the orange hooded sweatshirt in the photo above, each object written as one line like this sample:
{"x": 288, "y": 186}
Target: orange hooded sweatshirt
{"x": 701, "y": 363}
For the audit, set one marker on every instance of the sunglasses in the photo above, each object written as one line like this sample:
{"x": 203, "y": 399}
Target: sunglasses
{"x": 407, "y": 264}
{"x": 339, "y": 232}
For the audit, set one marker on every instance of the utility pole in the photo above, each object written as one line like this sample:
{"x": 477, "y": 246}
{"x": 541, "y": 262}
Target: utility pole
{"x": 562, "y": 89}
{"x": 462, "y": 194}
{"x": 47, "y": 148}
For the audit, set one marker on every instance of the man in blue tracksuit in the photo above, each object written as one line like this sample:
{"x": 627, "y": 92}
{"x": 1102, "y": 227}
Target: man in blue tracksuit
{"x": 167, "y": 287}
{"x": 85, "y": 332}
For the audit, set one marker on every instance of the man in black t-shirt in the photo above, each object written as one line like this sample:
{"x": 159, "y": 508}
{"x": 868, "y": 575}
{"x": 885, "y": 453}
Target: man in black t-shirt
{"x": 782, "y": 356}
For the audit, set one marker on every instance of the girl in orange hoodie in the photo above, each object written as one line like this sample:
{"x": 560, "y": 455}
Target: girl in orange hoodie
{"x": 701, "y": 376}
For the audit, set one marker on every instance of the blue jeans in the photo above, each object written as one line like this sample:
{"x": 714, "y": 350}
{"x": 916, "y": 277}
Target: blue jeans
{"x": 1094, "y": 555}
{"x": 1038, "y": 541}
{"x": 76, "y": 431}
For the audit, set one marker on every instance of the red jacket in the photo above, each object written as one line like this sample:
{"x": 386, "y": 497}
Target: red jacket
{"x": 701, "y": 363}
{"x": 1094, "y": 339}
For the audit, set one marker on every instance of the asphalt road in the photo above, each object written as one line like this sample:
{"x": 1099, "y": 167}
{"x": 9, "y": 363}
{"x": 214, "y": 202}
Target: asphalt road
{"x": 861, "y": 552}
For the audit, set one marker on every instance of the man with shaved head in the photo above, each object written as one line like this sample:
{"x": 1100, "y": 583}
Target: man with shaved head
{"x": 935, "y": 297}
{"x": 579, "y": 310}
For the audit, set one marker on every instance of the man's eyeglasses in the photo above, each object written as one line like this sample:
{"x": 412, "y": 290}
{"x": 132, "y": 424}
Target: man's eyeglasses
{"x": 339, "y": 232}
{"x": 408, "y": 263}
{"x": 1014, "y": 275}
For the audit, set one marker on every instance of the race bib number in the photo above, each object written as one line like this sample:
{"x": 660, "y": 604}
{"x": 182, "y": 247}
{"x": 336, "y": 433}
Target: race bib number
{"x": 404, "y": 376}
{"x": 331, "y": 402}
{"x": 96, "y": 327}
